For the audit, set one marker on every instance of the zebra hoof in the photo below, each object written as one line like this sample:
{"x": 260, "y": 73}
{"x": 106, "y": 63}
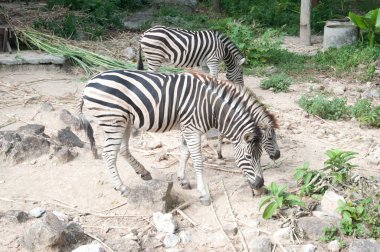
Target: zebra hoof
{"x": 123, "y": 190}
{"x": 220, "y": 156}
{"x": 146, "y": 176}
{"x": 185, "y": 185}
{"x": 205, "y": 200}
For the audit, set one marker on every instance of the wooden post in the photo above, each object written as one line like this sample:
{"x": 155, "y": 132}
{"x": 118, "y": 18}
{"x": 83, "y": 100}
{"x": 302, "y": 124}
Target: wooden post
{"x": 305, "y": 29}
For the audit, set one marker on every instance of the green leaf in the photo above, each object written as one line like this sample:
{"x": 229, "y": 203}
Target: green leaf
{"x": 270, "y": 210}
{"x": 264, "y": 201}
{"x": 358, "y": 21}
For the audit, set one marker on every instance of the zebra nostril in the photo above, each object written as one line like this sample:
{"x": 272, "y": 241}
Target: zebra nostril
{"x": 276, "y": 155}
{"x": 257, "y": 184}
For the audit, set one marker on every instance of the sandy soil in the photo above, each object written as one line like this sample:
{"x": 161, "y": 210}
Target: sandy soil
{"x": 84, "y": 182}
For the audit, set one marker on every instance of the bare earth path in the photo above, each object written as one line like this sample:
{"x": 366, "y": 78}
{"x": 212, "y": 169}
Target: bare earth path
{"x": 84, "y": 183}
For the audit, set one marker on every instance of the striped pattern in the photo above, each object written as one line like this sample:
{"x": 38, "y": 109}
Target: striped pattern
{"x": 184, "y": 48}
{"x": 157, "y": 102}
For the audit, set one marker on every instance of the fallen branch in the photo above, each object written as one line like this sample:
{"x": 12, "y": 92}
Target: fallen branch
{"x": 234, "y": 218}
{"x": 186, "y": 217}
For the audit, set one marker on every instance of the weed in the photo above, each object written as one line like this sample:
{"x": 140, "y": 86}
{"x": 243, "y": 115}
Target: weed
{"x": 324, "y": 107}
{"x": 278, "y": 198}
{"x": 278, "y": 82}
{"x": 365, "y": 113}
{"x": 330, "y": 234}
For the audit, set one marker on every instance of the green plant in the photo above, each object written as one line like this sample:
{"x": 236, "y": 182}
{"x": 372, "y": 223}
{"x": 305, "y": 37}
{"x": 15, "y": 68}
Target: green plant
{"x": 324, "y": 107}
{"x": 278, "y": 82}
{"x": 338, "y": 165}
{"x": 310, "y": 180}
{"x": 370, "y": 23}
{"x": 278, "y": 197}
{"x": 330, "y": 234}
{"x": 365, "y": 113}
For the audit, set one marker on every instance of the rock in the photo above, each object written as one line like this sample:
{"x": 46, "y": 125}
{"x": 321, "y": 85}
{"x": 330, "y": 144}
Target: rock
{"x": 37, "y": 212}
{"x": 282, "y": 233}
{"x": 45, "y": 234}
{"x": 313, "y": 226}
{"x": 362, "y": 245}
{"x": 124, "y": 245}
{"x": 67, "y": 137}
{"x": 230, "y": 229}
{"x": 339, "y": 90}
{"x": 185, "y": 236}
{"x": 149, "y": 243}
{"x": 333, "y": 246}
{"x": 17, "y": 215}
{"x": 329, "y": 203}
{"x": 154, "y": 195}
{"x": 164, "y": 222}
{"x": 47, "y": 107}
{"x": 138, "y": 19}
{"x": 64, "y": 154}
{"x": 371, "y": 93}
{"x": 171, "y": 240}
{"x": 69, "y": 119}
{"x": 16, "y": 147}
{"x": 309, "y": 248}
{"x": 128, "y": 53}
{"x": 260, "y": 244}
{"x": 75, "y": 234}
{"x": 131, "y": 236}
{"x": 31, "y": 129}
{"x": 61, "y": 216}
{"x": 90, "y": 248}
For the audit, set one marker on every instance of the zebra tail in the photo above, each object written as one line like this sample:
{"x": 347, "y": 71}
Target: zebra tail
{"x": 85, "y": 125}
{"x": 140, "y": 64}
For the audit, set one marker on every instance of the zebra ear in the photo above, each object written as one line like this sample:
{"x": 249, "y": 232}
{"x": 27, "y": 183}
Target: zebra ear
{"x": 241, "y": 62}
{"x": 248, "y": 137}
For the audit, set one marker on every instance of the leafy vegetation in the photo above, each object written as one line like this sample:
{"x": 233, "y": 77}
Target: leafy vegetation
{"x": 278, "y": 198}
{"x": 330, "y": 234}
{"x": 369, "y": 23}
{"x": 278, "y": 82}
{"x": 365, "y": 113}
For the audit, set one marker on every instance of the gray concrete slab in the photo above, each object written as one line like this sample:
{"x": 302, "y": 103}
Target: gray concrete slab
{"x": 30, "y": 57}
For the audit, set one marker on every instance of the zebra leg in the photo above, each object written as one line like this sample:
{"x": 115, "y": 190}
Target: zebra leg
{"x": 185, "y": 154}
{"x": 193, "y": 140}
{"x": 219, "y": 149}
{"x": 124, "y": 151}
{"x": 213, "y": 66}
{"x": 111, "y": 148}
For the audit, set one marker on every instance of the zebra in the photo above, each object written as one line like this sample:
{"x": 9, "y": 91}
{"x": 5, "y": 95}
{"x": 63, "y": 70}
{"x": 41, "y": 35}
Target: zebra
{"x": 183, "y": 48}
{"x": 120, "y": 99}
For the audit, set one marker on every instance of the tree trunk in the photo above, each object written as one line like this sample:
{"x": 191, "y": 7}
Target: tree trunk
{"x": 216, "y": 6}
{"x": 305, "y": 29}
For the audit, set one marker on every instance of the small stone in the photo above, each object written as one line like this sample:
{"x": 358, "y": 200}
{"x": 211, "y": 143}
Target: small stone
{"x": 128, "y": 53}
{"x": 61, "y": 216}
{"x": 329, "y": 203}
{"x": 67, "y": 137}
{"x": 282, "y": 233}
{"x": 339, "y": 90}
{"x": 69, "y": 119}
{"x": 363, "y": 245}
{"x": 90, "y": 248}
{"x": 64, "y": 154}
{"x": 333, "y": 246}
{"x": 131, "y": 236}
{"x": 37, "y": 212}
{"x": 309, "y": 248}
{"x": 164, "y": 222}
{"x": 2, "y": 181}
{"x": 185, "y": 236}
{"x": 230, "y": 229}
{"x": 260, "y": 244}
{"x": 47, "y": 107}
{"x": 17, "y": 215}
{"x": 313, "y": 227}
{"x": 171, "y": 240}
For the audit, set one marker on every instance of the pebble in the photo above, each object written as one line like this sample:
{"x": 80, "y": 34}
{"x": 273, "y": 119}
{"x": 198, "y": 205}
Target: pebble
{"x": 230, "y": 229}
{"x": 90, "y": 248}
{"x": 37, "y": 212}
{"x": 171, "y": 240}
{"x": 164, "y": 222}
{"x": 309, "y": 248}
{"x": 282, "y": 233}
{"x": 185, "y": 236}
{"x": 333, "y": 246}
{"x": 261, "y": 244}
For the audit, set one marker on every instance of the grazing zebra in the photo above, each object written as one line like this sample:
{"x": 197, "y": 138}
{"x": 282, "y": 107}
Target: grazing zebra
{"x": 159, "y": 102}
{"x": 184, "y": 48}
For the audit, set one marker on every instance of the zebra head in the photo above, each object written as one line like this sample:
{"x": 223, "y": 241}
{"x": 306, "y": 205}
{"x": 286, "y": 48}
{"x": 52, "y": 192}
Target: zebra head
{"x": 235, "y": 70}
{"x": 269, "y": 142}
{"x": 247, "y": 154}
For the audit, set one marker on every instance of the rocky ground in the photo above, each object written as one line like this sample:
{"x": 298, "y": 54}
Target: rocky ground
{"x": 80, "y": 206}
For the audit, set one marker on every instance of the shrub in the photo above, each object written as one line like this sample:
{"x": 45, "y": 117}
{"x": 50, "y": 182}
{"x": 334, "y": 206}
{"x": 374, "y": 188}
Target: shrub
{"x": 324, "y": 107}
{"x": 365, "y": 113}
{"x": 279, "y": 82}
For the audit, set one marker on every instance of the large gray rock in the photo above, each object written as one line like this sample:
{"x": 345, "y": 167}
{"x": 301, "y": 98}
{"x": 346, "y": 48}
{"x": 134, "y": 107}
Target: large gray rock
{"x": 67, "y": 137}
{"x": 153, "y": 194}
{"x": 260, "y": 244}
{"x": 69, "y": 119}
{"x": 313, "y": 226}
{"x": 363, "y": 245}
{"x": 329, "y": 203}
{"x": 31, "y": 129}
{"x": 171, "y": 240}
{"x": 333, "y": 246}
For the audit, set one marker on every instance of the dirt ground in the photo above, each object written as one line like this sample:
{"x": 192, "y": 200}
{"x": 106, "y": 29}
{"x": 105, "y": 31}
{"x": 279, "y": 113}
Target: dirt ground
{"x": 85, "y": 184}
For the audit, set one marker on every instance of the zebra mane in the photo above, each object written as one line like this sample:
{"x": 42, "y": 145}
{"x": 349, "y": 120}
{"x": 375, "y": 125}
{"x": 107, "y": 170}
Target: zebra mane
{"x": 236, "y": 95}
{"x": 229, "y": 46}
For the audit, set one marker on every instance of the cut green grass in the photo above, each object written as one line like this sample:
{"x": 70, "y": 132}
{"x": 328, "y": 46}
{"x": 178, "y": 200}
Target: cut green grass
{"x": 277, "y": 82}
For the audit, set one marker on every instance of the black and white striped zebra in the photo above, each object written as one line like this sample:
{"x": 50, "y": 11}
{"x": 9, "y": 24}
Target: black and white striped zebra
{"x": 184, "y": 48}
{"x": 159, "y": 102}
